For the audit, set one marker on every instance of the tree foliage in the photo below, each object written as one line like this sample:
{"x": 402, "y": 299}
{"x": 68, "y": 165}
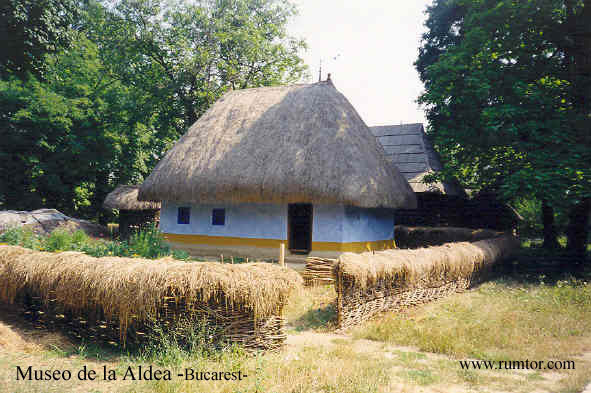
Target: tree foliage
{"x": 65, "y": 137}
{"x": 508, "y": 95}
{"x": 29, "y": 29}
{"x": 132, "y": 78}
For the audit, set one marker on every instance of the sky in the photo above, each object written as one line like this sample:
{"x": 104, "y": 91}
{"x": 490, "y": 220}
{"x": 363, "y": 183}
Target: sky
{"x": 375, "y": 43}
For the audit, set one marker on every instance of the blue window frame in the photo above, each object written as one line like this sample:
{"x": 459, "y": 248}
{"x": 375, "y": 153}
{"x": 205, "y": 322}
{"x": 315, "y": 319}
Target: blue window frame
{"x": 184, "y": 215}
{"x": 218, "y": 217}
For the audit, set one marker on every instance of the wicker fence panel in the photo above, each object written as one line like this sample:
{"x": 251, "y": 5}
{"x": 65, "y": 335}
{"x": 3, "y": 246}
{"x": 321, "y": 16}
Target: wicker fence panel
{"x": 356, "y": 304}
{"x": 219, "y": 322}
{"x": 318, "y": 271}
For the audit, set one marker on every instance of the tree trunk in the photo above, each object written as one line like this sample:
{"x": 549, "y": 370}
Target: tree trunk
{"x": 550, "y": 233}
{"x": 578, "y": 227}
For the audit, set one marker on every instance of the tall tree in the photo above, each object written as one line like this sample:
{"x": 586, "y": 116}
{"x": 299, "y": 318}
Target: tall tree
{"x": 504, "y": 104}
{"x": 65, "y": 137}
{"x": 187, "y": 54}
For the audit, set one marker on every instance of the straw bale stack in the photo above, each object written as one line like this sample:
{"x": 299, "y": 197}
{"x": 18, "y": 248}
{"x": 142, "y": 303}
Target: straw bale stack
{"x": 121, "y": 295}
{"x": 318, "y": 271}
{"x": 370, "y": 283}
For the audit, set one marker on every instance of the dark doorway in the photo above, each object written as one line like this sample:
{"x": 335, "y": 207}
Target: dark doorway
{"x": 299, "y": 227}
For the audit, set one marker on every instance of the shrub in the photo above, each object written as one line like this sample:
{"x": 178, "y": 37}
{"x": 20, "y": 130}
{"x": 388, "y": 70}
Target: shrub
{"x": 61, "y": 240}
{"x": 21, "y": 237}
{"x": 148, "y": 243}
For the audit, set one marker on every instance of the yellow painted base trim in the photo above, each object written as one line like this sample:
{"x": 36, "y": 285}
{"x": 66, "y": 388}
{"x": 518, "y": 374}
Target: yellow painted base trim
{"x": 223, "y": 240}
{"x": 275, "y": 243}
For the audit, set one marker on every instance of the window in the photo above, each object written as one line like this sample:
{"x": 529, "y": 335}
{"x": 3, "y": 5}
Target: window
{"x": 184, "y": 215}
{"x": 218, "y": 217}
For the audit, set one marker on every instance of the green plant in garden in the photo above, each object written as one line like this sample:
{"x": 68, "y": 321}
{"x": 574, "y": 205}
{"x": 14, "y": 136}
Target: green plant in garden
{"x": 148, "y": 243}
{"x": 21, "y": 237}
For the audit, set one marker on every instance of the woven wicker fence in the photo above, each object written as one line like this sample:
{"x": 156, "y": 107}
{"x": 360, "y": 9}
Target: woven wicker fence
{"x": 371, "y": 283}
{"x": 122, "y": 300}
{"x": 318, "y": 271}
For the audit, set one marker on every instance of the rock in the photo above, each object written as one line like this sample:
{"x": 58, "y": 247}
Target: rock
{"x": 44, "y": 221}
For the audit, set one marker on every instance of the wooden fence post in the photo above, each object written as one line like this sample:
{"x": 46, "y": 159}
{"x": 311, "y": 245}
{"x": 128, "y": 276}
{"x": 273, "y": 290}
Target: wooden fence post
{"x": 282, "y": 255}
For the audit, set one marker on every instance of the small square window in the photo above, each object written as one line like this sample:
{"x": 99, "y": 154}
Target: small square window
{"x": 184, "y": 215}
{"x": 218, "y": 217}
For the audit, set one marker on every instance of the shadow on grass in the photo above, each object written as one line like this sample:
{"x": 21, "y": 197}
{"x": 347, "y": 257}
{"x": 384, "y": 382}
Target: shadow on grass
{"x": 535, "y": 265}
{"x": 324, "y": 317}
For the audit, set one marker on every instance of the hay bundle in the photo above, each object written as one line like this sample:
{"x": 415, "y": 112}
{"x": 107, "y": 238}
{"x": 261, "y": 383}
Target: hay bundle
{"x": 131, "y": 291}
{"x": 370, "y": 283}
{"x": 417, "y": 237}
{"x": 318, "y": 271}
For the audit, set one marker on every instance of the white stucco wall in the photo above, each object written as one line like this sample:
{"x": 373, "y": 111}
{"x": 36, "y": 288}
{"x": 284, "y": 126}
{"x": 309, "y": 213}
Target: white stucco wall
{"x": 249, "y": 220}
{"x": 331, "y": 223}
{"x": 367, "y": 225}
{"x": 327, "y": 223}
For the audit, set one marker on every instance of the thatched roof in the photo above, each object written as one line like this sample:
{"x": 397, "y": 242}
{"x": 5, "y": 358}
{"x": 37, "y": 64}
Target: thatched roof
{"x": 301, "y": 143}
{"x": 410, "y": 150}
{"x": 125, "y": 198}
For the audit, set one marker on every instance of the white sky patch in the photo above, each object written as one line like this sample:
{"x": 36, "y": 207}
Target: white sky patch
{"x": 376, "y": 42}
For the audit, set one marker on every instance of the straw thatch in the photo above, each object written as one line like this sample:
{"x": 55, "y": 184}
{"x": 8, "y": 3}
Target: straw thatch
{"x": 417, "y": 237}
{"x": 370, "y": 283}
{"x": 409, "y": 149}
{"x": 124, "y": 197}
{"x": 301, "y": 143}
{"x": 242, "y": 299}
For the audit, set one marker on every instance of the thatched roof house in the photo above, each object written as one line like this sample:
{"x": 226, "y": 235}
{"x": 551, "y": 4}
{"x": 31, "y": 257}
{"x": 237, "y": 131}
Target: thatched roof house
{"x": 409, "y": 149}
{"x": 124, "y": 197}
{"x": 133, "y": 214}
{"x": 263, "y": 166}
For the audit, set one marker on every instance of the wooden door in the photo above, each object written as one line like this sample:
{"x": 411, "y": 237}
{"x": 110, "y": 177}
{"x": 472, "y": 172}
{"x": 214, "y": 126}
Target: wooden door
{"x": 299, "y": 227}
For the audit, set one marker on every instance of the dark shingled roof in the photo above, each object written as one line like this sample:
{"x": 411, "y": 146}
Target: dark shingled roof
{"x": 409, "y": 149}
